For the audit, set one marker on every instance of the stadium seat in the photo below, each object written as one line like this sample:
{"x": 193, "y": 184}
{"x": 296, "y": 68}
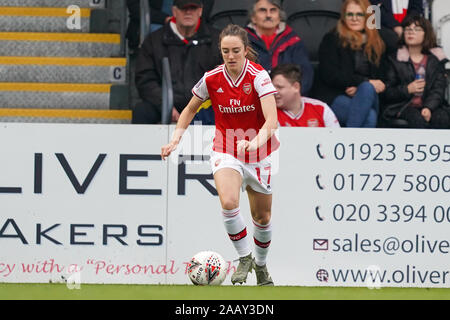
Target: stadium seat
{"x": 312, "y": 19}
{"x": 225, "y": 12}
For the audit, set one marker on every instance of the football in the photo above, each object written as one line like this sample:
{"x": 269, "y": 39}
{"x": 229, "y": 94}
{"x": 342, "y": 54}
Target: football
{"x": 207, "y": 268}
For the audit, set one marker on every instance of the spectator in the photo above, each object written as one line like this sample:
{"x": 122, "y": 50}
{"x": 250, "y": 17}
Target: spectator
{"x": 293, "y": 109}
{"x": 416, "y": 78}
{"x": 159, "y": 15}
{"x": 351, "y": 59}
{"x": 276, "y": 42}
{"x": 393, "y": 12}
{"x": 192, "y": 49}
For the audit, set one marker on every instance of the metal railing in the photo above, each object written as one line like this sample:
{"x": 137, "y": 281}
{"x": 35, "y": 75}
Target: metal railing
{"x": 123, "y": 28}
{"x": 145, "y": 20}
{"x": 167, "y": 88}
{"x": 167, "y": 93}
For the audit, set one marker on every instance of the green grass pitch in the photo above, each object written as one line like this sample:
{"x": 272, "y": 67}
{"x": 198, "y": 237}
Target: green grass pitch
{"x": 190, "y": 292}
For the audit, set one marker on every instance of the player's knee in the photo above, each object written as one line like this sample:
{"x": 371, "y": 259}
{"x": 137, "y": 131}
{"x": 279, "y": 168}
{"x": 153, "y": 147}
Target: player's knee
{"x": 230, "y": 203}
{"x": 262, "y": 218}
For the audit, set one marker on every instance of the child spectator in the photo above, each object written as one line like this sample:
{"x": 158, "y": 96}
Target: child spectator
{"x": 293, "y": 109}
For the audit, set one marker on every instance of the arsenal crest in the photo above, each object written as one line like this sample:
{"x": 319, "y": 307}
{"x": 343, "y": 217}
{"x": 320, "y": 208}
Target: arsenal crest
{"x": 247, "y": 88}
{"x": 313, "y": 122}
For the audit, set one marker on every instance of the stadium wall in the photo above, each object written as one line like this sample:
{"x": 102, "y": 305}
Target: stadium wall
{"x": 95, "y": 204}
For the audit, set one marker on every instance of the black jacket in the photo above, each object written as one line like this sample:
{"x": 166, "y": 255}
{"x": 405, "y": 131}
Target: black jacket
{"x": 401, "y": 73}
{"x": 188, "y": 63}
{"x": 340, "y": 68}
{"x": 286, "y": 48}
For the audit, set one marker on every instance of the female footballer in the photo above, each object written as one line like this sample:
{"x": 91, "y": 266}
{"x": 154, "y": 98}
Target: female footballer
{"x": 242, "y": 96}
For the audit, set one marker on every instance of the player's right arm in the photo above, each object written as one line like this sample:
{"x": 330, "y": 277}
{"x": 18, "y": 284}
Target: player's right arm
{"x": 183, "y": 122}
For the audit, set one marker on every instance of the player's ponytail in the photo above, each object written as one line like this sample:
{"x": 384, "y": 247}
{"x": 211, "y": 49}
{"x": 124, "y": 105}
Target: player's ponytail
{"x": 237, "y": 31}
{"x": 252, "y": 55}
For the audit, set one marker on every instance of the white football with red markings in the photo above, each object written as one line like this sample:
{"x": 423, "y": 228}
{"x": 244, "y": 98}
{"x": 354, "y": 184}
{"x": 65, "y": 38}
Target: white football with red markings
{"x": 207, "y": 268}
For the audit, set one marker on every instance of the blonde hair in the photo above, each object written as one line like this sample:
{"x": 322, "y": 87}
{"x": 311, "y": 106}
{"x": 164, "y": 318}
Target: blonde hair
{"x": 375, "y": 46}
{"x": 237, "y": 31}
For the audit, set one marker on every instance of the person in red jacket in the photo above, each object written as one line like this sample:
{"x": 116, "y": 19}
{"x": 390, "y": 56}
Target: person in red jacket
{"x": 276, "y": 42}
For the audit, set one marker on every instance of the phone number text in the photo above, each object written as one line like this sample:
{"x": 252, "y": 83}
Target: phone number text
{"x": 373, "y": 182}
{"x": 389, "y": 213}
{"x": 392, "y": 152}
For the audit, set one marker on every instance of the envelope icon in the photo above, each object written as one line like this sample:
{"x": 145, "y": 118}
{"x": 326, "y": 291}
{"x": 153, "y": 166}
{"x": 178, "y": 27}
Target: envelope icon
{"x": 320, "y": 244}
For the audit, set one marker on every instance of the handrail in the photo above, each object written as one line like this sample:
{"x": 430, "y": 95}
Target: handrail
{"x": 167, "y": 93}
{"x": 447, "y": 91}
{"x": 145, "y": 20}
{"x": 123, "y": 28}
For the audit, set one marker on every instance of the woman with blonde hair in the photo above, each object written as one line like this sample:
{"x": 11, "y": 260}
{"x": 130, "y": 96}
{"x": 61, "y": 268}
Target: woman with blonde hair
{"x": 351, "y": 58}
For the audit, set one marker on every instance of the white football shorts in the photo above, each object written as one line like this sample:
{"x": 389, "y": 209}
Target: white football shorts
{"x": 256, "y": 175}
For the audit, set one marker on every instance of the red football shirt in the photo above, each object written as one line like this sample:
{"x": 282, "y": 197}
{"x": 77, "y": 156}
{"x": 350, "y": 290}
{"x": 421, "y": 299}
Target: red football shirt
{"x": 237, "y": 108}
{"x": 315, "y": 113}
{"x": 400, "y": 9}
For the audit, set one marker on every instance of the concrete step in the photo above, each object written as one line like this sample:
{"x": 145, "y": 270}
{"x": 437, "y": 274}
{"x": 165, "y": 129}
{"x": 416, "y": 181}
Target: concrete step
{"x": 63, "y": 70}
{"x": 53, "y": 3}
{"x": 25, "y": 19}
{"x": 59, "y": 44}
{"x": 65, "y": 116}
{"x": 54, "y": 95}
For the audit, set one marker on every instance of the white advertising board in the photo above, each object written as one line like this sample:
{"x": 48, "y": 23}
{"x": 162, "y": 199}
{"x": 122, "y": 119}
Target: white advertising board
{"x": 351, "y": 207}
{"x": 369, "y": 207}
{"x": 75, "y": 203}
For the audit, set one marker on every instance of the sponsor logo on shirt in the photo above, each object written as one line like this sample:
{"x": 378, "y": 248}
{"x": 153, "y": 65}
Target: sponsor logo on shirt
{"x": 236, "y": 109}
{"x": 199, "y": 84}
{"x": 266, "y": 82}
